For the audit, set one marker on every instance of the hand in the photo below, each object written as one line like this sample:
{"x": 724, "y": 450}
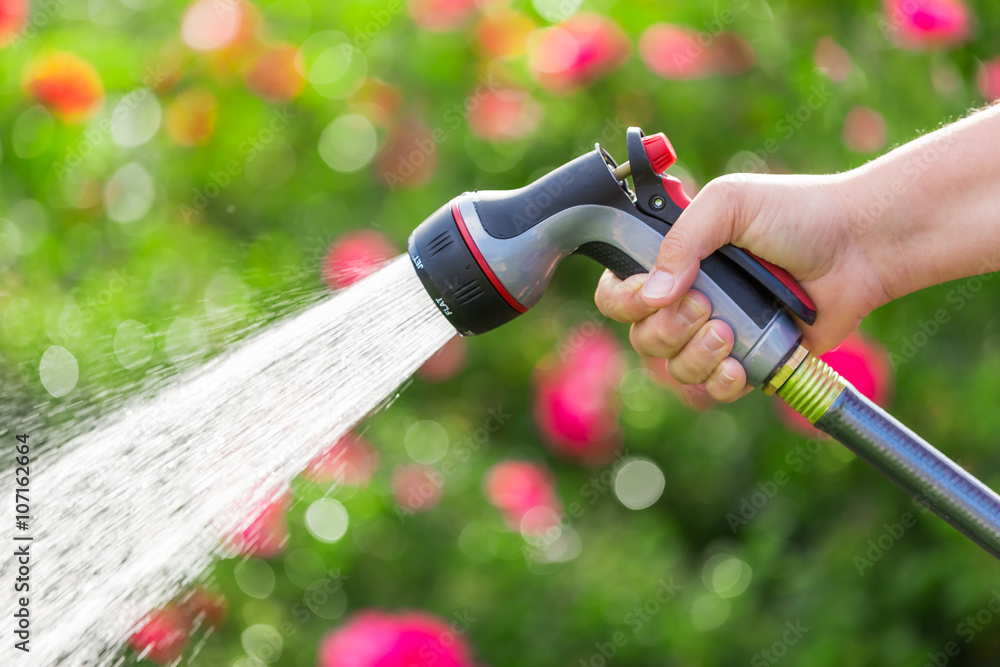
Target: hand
{"x": 805, "y": 224}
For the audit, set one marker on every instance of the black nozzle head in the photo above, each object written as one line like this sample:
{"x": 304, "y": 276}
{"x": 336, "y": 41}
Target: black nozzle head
{"x": 452, "y": 276}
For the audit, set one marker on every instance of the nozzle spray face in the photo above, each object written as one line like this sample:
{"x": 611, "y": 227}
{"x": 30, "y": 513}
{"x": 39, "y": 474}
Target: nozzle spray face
{"x": 486, "y": 257}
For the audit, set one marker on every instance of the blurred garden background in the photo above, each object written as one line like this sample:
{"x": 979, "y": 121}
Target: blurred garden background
{"x": 174, "y": 176}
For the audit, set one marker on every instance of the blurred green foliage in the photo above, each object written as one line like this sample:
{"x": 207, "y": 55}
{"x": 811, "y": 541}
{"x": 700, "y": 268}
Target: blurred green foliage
{"x": 266, "y": 233}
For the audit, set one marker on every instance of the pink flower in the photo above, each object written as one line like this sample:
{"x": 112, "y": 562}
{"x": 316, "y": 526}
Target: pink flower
{"x": 577, "y": 52}
{"x": 575, "y": 405}
{"x": 265, "y": 536}
{"x": 441, "y": 15}
{"x": 374, "y": 638}
{"x": 517, "y": 487}
{"x": 864, "y": 130}
{"x": 416, "y": 487}
{"x": 862, "y": 362}
{"x": 12, "y": 16}
{"x": 350, "y": 461}
{"x": 162, "y": 635}
{"x": 674, "y": 52}
{"x": 988, "y": 79}
{"x": 354, "y": 256}
{"x": 446, "y": 362}
{"x": 925, "y": 24}
{"x": 205, "y": 607}
{"x": 504, "y": 114}
{"x": 409, "y": 157}
{"x": 832, "y": 59}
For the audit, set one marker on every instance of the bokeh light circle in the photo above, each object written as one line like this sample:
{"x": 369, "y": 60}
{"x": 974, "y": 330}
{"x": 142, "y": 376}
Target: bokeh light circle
{"x": 136, "y": 118}
{"x": 327, "y": 520}
{"x": 133, "y": 344}
{"x": 59, "y": 371}
{"x": 426, "y": 441}
{"x": 709, "y": 611}
{"x": 254, "y": 577}
{"x": 304, "y": 567}
{"x": 211, "y": 24}
{"x": 129, "y": 194}
{"x": 185, "y": 340}
{"x": 348, "y": 143}
{"x": 639, "y": 483}
{"x": 725, "y": 575}
{"x": 263, "y": 641}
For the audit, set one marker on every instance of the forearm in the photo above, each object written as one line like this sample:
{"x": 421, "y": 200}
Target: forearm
{"x": 929, "y": 211}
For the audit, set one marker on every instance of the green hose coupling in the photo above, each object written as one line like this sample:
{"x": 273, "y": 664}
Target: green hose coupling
{"x": 812, "y": 388}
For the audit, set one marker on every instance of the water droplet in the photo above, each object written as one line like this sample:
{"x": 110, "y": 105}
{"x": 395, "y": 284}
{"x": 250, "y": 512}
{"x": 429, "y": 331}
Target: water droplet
{"x": 304, "y": 567}
{"x": 426, "y": 441}
{"x": 58, "y": 371}
{"x": 726, "y": 575}
{"x": 133, "y": 344}
{"x": 186, "y": 339}
{"x": 639, "y": 484}
{"x": 327, "y": 520}
{"x": 348, "y": 143}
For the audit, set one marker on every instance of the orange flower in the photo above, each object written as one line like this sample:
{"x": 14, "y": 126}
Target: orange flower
{"x": 65, "y": 84}
{"x": 275, "y": 76}
{"x": 12, "y": 16}
{"x": 191, "y": 117}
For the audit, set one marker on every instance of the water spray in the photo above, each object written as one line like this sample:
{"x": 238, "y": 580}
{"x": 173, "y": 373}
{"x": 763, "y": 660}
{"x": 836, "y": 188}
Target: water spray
{"x": 486, "y": 257}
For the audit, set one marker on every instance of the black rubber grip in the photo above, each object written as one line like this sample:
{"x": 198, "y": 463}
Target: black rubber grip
{"x": 611, "y": 258}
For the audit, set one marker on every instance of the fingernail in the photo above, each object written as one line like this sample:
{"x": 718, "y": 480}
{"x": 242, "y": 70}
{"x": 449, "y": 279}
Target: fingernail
{"x": 689, "y": 310}
{"x": 712, "y": 341}
{"x": 658, "y": 285}
{"x": 725, "y": 377}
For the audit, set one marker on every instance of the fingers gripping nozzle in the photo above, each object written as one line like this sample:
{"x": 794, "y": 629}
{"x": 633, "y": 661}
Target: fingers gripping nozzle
{"x": 486, "y": 257}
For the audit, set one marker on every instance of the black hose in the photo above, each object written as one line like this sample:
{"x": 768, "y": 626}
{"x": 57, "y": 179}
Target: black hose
{"x": 932, "y": 478}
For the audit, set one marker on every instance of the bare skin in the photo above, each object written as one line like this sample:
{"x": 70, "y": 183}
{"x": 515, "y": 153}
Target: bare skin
{"x": 925, "y": 213}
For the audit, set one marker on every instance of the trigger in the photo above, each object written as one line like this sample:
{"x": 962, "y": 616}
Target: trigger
{"x": 675, "y": 190}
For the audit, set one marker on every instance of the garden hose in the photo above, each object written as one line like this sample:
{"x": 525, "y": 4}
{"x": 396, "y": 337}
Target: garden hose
{"x": 487, "y": 257}
{"x": 834, "y": 406}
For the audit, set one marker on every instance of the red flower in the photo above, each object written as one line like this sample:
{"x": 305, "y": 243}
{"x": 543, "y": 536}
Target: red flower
{"x": 266, "y": 535}
{"x": 504, "y": 114}
{"x": 65, "y": 84}
{"x": 205, "y": 606}
{"x": 375, "y": 638}
{"x": 988, "y": 79}
{"x": 862, "y": 362}
{"x": 416, "y": 487}
{"x": 923, "y": 24}
{"x": 162, "y": 635}
{"x": 864, "y": 130}
{"x": 577, "y": 52}
{"x": 354, "y": 256}
{"x": 441, "y": 15}
{"x": 446, "y": 362}
{"x": 575, "y": 404}
{"x": 276, "y": 76}
{"x": 350, "y": 461}
{"x": 832, "y": 59}
{"x": 13, "y": 14}
{"x": 517, "y": 487}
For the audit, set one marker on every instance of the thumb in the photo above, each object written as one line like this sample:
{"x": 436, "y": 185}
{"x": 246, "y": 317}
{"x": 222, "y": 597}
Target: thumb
{"x": 713, "y": 219}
